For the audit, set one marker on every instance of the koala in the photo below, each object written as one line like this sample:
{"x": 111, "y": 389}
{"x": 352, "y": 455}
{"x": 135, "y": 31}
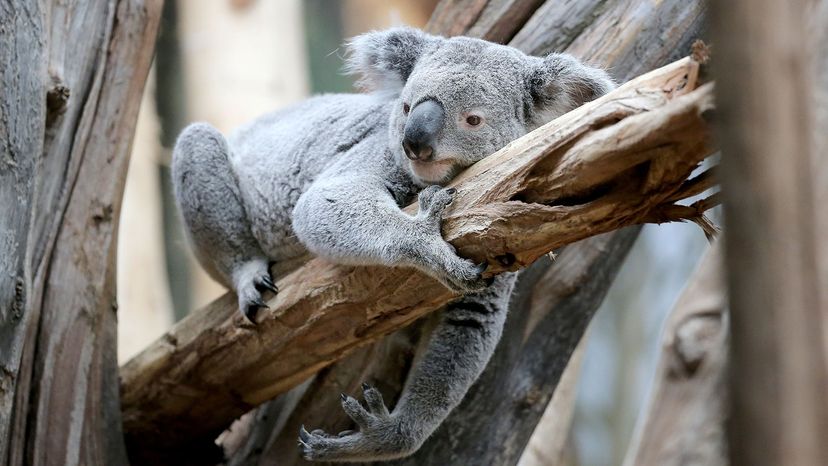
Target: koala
{"x": 329, "y": 177}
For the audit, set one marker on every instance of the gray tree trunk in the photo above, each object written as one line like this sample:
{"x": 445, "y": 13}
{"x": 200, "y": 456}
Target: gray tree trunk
{"x": 72, "y": 76}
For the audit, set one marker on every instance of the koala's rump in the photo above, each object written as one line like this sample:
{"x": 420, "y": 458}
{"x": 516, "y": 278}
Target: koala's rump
{"x": 278, "y": 156}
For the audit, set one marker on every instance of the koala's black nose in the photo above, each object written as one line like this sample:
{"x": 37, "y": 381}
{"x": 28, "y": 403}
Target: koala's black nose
{"x": 424, "y": 123}
{"x": 415, "y": 151}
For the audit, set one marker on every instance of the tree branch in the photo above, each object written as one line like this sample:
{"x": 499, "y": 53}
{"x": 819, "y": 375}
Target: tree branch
{"x": 601, "y": 167}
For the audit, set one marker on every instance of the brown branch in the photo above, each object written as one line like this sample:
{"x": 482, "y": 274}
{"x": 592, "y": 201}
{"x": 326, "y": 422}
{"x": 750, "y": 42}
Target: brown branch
{"x": 596, "y": 169}
{"x": 694, "y": 212}
{"x": 696, "y": 185}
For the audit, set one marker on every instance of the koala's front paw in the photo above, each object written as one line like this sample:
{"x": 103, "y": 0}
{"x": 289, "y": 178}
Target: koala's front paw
{"x": 463, "y": 276}
{"x": 433, "y": 201}
{"x": 252, "y": 279}
{"x": 381, "y": 436}
{"x": 439, "y": 257}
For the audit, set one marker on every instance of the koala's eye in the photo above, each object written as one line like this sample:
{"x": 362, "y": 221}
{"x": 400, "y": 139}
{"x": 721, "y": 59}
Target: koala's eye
{"x": 406, "y": 108}
{"x": 473, "y": 120}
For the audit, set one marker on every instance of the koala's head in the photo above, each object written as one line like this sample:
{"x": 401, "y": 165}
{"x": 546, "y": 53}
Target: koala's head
{"x": 461, "y": 99}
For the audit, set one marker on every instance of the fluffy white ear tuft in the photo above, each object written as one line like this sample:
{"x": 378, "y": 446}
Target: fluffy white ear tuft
{"x": 559, "y": 83}
{"x": 384, "y": 59}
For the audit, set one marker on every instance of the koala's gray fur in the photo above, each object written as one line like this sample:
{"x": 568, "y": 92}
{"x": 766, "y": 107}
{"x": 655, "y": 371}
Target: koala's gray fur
{"x": 330, "y": 175}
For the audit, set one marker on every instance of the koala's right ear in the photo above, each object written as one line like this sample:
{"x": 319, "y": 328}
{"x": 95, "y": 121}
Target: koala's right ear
{"x": 384, "y": 59}
{"x": 559, "y": 83}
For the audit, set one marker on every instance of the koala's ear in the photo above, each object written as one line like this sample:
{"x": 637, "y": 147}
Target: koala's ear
{"x": 384, "y": 59}
{"x": 559, "y": 83}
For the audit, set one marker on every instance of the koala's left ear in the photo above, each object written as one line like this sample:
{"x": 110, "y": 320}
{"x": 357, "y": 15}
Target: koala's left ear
{"x": 559, "y": 83}
{"x": 384, "y": 59}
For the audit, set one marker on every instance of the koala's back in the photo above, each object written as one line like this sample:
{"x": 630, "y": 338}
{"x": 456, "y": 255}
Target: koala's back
{"x": 277, "y": 156}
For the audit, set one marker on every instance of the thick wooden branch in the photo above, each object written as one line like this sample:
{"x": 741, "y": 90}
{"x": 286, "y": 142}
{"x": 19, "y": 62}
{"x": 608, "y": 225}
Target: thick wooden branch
{"x": 601, "y": 167}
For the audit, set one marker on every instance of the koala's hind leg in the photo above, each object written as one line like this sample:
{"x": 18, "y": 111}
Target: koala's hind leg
{"x": 459, "y": 349}
{"x": 209, "y": 199}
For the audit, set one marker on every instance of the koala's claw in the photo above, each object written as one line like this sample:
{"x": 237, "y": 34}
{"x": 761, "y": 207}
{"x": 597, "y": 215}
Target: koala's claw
{"x": 435, "y": 255}
{"x": 265, "y": 282}
{"x": 373, "y": 398}
{"x": 464, "y": 276}
{"x": 251, "y": 280}
{"x": 379, "y": 435}
{"x": 252, "y": 309}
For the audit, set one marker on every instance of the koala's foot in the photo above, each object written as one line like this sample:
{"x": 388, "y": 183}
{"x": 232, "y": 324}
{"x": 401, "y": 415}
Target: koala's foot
{"x": 460, "y": 275}
{"x": 381, "y": 436}
{"x": 251, "y": 280}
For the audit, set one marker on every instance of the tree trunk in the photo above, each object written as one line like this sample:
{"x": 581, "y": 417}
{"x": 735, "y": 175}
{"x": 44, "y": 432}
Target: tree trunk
{"x": 819, "y": 61}
{"x": 778, "y": 373}
{"x": 72, "y": 78}
{"x": 684, "y": 419}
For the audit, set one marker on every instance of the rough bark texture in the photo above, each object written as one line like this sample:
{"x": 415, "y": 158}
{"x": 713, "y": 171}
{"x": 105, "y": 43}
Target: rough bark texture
{"x": 778, "y": 373}
{"x": 612, "y": 163}
{"x": 683, "y": 423}
{"x": 494, "y": 20}
{"x": 72, "y": 78}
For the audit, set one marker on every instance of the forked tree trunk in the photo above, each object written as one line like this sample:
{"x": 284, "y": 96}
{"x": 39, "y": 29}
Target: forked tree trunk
{"x": 779, "y": 377}
{"x": 72, "y": 76}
